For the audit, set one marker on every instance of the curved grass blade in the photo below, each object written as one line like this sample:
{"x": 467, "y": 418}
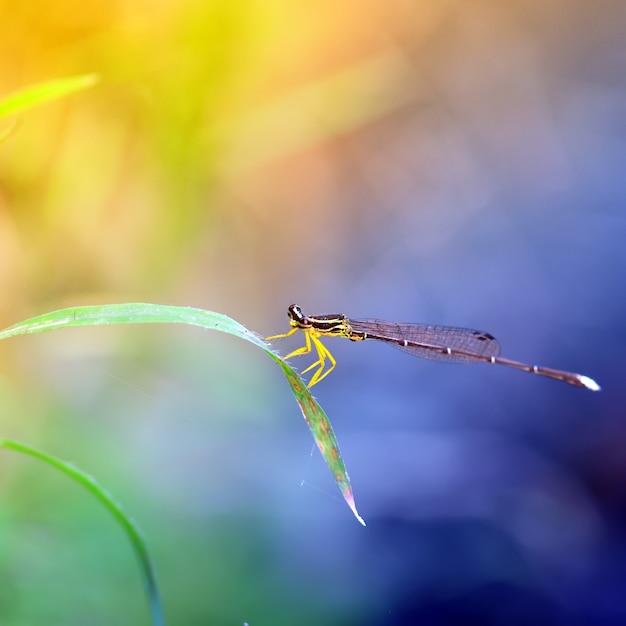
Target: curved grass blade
{"x": 44, "y": 92}
{"x": 140, "y": 313}
{"x": 323, "y": 433}
{"x": 130, "y": 528}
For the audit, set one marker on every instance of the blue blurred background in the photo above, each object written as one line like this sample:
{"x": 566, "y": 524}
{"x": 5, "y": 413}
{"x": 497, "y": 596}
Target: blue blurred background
{"x": 447, "y": 163}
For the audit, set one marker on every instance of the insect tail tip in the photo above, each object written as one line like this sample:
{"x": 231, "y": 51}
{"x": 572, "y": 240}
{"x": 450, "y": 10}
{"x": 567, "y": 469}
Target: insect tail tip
{"x": 590, "y": 383}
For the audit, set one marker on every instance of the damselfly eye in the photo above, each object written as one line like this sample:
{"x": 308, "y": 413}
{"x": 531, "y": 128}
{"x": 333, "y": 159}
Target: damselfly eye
{"x": 295, "y": 313}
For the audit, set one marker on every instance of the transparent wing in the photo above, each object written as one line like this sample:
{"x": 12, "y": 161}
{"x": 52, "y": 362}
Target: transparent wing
{"x": 439, "y": 343}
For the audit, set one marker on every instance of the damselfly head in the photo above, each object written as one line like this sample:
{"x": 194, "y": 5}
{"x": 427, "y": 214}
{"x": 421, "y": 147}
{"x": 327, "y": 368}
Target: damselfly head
{"x": 297, "y": 317}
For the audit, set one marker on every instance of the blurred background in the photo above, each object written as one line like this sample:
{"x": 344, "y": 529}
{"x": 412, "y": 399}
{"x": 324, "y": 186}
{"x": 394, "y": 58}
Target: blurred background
{"x": 442, "y": 162}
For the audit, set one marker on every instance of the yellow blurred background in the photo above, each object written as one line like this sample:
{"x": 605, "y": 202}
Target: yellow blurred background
{"x": 206, "y": 150}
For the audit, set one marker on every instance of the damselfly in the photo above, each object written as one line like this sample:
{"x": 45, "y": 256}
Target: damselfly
{"x": 441, "y": 343}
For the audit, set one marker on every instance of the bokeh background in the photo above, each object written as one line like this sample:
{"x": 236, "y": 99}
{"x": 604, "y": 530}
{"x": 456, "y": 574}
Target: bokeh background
{"x": 456, "y": 163}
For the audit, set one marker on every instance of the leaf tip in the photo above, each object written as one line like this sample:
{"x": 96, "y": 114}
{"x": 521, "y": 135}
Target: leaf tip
{"x": 349, "y": 498}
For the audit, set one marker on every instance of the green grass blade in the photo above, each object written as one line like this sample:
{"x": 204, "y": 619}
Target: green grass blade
{"x": 139, "y": 313}
{"x": 44, "y": 92}
{"x": 130, "y": 528}
{"x": 323, "y": 433}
